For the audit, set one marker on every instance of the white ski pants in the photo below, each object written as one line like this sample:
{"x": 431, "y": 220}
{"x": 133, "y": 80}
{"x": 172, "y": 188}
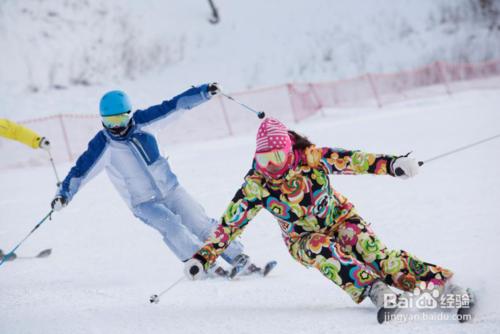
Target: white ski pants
{"x": 183, "y": 224}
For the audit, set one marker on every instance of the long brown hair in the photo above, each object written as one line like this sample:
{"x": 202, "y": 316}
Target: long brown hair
{"x": 300, "y": 142}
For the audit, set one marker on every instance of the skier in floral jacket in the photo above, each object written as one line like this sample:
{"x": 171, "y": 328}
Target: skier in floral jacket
{"x": 320, "y": 227}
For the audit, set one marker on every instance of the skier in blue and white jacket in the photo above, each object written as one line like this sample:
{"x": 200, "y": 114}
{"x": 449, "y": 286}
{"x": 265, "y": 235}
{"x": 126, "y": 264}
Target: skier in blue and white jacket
{"x": 129, "y": 153}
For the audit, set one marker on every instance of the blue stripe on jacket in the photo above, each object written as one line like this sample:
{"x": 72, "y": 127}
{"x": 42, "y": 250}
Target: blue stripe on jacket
{"x": 83, "y": 166}
{"x": 187, "y": 100}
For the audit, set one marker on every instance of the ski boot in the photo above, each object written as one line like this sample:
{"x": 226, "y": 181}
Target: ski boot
{"x": 384, "y": 299}
{"x": 464, "y": 300}
{"x": 216, "y": 271}
{"x": 240, "y": 264}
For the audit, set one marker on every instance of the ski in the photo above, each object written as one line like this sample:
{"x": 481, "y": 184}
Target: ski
{"x": 217, "y": 272}
{"x": 252, "y": 270}
{"x": 43, "y": 254}
{"x": 465, "y": 313}
{"x": 385, "y": 314}
{"x": 269, "y": 267}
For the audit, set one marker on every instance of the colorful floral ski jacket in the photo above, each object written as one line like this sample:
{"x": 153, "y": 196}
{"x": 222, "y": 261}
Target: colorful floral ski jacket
{"x": 303, "y": 201}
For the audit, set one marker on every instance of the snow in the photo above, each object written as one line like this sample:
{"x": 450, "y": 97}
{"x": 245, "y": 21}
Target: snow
{"x": 60, "y": 56}
{"x": 105, "y": 263}
{"x": 164, "y": 46}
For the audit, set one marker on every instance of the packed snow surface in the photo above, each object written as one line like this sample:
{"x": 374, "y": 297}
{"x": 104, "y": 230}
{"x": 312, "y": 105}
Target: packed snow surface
{"x": 105, "y": 263}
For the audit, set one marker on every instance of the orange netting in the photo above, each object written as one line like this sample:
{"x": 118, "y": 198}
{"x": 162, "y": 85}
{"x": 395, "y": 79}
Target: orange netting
{"x": 69, "y": 134}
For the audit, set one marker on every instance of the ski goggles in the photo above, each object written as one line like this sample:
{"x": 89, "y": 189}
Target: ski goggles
{"x": 273, "y": 160}
{"x": 116, "y": 121}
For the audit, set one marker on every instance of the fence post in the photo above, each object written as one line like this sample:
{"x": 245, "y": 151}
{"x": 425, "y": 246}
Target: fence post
{"x": 65, "y": 136}
{"x": 334, "y": 95}
{"x": 318, "y": 101}
{"x": 374, "y": 90}
{"x": 292, "y": 104}
{"x": 442, "y": 77}
{"x": 226, "y": 117}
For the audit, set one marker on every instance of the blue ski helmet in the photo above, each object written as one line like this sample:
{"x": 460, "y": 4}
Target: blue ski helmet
{"x": 113, "y": 103}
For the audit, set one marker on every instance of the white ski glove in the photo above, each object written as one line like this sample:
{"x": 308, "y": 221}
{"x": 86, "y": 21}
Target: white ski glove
{"x": 58, "y": 203}
{"x": 44, "y": 144}
{"x": 405, "y": 167}
{"x": 193, "y": 269}
{"x": 214, "y": 88}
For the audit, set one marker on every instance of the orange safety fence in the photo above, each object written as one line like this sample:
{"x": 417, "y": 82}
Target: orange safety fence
{"x": 293, "y": 102}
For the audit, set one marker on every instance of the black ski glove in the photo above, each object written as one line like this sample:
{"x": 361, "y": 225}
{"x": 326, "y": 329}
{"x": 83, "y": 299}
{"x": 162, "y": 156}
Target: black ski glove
{"x": 214, "y": 88}
{"x": 44, "y": 144}
{"x": 58, "y": 203}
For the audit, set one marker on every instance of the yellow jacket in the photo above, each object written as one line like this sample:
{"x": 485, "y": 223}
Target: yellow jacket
{"x": 12, "y": 130}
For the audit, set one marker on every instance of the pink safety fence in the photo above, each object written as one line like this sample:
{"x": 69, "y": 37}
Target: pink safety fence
{"x": 290, "y": 102}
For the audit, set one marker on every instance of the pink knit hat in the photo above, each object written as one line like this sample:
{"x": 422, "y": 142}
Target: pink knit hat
{"x": 273, "y": 135}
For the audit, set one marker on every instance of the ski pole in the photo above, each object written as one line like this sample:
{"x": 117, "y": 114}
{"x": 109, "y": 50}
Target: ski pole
{"x": 54, "y": 168}
{"x": 400, "y": 172}
{"x": 461, "y": 148}
{"x": 260, "y": 114}
{"x": 155, "y": 299}
{"x": 9, "y": 254}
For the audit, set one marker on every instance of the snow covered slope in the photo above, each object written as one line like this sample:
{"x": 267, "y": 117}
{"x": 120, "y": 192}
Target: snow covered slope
{"x": 106, "y": 263}
{"x": 61, "y": 44}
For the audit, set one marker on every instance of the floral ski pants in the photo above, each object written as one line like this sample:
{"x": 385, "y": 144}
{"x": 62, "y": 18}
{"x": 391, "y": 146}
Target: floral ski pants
{"x": 351, "y": 256}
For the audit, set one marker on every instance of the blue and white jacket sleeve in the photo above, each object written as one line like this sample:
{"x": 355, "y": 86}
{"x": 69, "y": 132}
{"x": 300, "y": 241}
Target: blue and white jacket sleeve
{"x": 89, "y": 164}
{"x": 184, "y": 101}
